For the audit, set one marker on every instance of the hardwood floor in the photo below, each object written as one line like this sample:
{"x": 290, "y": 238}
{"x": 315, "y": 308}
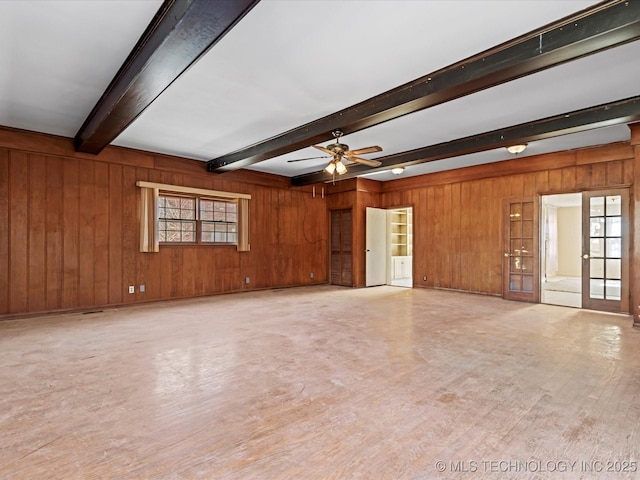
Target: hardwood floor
{"x": 322, "y": 383}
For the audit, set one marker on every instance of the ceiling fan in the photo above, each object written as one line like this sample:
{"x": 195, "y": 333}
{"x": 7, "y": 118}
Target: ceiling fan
{"x": 339, "y": 152}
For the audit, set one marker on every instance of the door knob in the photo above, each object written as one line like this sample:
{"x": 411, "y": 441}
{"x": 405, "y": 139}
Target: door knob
{"x": 585, "y": 256}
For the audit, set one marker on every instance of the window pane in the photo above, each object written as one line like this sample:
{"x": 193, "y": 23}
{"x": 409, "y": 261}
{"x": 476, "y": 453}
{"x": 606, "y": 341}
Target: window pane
{"x": 596, "y": 206}
{"x": 596, "y": 288}
{"x": 596, "y": 268}
{"x": 527, "y": 211}
{"x": 172, "y": 213}
{"x": 614, "y": 226}
{"x": 596, "y": 227}
{"x": 614, "y": 247}
{"x": 516, "y": 246}
{"x": 614, "y": 269}
{"x": 173, "y": 202}
{"x": 516, "y": 264}
{"x": 515, "y": 283}
{"x": 206, "y": 210}
{"x": 614, "y": 204}
{"x": 176, "y": 219}
{"x": 613, "y": 289}
{"x": 516, "y": 210}
{"x": 516, "y": 229}
{"x": 596, "y": 247}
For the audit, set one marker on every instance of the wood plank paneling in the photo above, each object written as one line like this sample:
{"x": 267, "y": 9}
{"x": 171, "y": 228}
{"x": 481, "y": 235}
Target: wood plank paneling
{"x": 465, "y": 232}
{"x": 37, "y": 234}
{"x": 18, "y": 231}
{"x": 4, "y": 231}
{"x": 598, "y": 175}
{"x": 70, "y": 225}
{"x": 130, "y": 213}
{"x": 86, "y": 234}
{"x": 54, "y": 233}
{"x": 80, "y": 248}
{"x": 116, "y": 284}
{"x": 555, "y": 181}
{"x": 102, "y": 228}
{"x": 615, "y": 173}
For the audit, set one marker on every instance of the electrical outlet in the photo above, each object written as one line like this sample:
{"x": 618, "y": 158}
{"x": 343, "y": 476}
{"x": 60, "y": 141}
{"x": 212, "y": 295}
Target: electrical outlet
{"x": 132, "y": 289}
{"x": 247, "y": 280}
{"x": 311, "y": 275}
{"x": 424, "y": 278}
{"x": 141, "y": 290}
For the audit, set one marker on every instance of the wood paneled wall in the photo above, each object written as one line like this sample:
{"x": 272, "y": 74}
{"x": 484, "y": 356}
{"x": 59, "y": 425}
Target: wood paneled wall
{"x": 357, "y": 194}
{"x": 69, "y": 230}
{"x": 457, "y": 214}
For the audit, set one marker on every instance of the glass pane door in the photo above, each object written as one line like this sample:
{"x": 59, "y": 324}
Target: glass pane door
{"x": 520, "y": 267}
{"x": 605, "y": 262}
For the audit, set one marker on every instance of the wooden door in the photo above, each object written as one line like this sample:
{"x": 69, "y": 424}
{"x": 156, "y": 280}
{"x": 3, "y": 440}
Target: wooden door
{"x": 376, "y": 247}
{"x": 605, "y": 250}
{"x": 521, "y": 270}
{"x": 341, "y": 249}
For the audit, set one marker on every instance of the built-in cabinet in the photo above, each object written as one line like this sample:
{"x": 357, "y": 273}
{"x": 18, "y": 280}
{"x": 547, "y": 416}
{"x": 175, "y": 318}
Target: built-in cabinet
{"x": 401, "y": 237}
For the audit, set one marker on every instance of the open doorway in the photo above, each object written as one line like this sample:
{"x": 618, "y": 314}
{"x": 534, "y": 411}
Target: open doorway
{"x": 389, "y": 247}
{"x": 400, "y": 226}
{"x": 561, "y": 252}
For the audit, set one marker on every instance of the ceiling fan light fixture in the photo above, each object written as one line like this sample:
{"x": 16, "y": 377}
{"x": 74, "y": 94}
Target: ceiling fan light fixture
{"x": 397, "y": 170}
{"x": 330, "y": 168}
{"x": 516, "y": 149}
{"x": 340, "y": 167}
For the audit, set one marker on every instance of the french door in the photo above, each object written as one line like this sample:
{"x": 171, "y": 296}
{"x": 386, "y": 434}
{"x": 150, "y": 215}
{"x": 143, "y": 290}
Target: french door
{"x": 521, "y": 260}
{"x": 605, "y": 255}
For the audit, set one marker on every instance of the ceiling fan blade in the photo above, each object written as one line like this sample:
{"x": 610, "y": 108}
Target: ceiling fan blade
{"x": 322, "y": 149}
{"x": 363, "y": 151}
{"x": 308, "y": 158}
{"x": 364, "y": 161}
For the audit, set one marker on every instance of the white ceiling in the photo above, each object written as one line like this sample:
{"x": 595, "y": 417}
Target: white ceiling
{"x": 287, "y": 63}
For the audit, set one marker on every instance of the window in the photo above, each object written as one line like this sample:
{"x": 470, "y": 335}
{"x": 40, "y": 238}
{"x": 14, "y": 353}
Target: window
{"x": 196, "y": 220}
{"x": 176, "y": 219}
{"x": 219, "y": 221}
{"x": 172, "y": 214}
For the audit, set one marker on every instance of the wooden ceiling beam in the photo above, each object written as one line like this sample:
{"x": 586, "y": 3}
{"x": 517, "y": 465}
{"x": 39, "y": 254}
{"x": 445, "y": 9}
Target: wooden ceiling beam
{"x": 605, "y": 25}
{"x": 621, "y": 111}
{"x": 180, "y": 33}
